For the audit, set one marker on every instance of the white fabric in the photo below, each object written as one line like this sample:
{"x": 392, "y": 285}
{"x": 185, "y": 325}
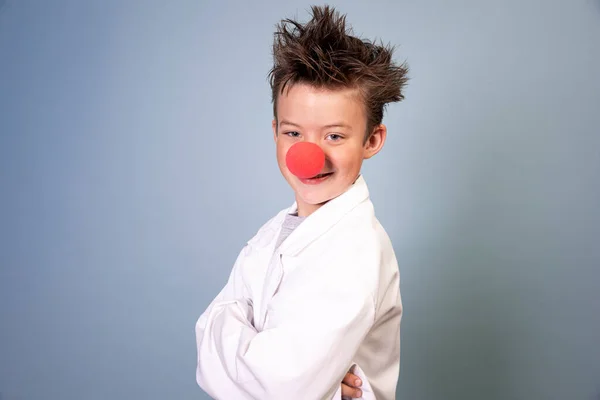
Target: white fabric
{"x": 291, "y": 321}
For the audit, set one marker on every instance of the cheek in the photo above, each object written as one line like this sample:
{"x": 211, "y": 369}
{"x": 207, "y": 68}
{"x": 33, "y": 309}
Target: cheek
{"x": 346, "y": 160}
{"x": 281, "y": 150}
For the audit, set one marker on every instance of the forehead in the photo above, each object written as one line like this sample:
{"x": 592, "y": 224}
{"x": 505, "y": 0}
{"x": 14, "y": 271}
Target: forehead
{"x": 305, "y": 104}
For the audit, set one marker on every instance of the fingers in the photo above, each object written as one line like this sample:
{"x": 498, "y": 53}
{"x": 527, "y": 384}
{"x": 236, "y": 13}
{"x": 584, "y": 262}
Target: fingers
{"x": 350, "y": 386}
{"x": 350, "y": 392}
{"x": 352, "y": 380}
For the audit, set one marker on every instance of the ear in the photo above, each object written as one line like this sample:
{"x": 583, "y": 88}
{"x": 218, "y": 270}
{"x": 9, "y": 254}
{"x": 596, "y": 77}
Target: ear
{"x": 375, "y": 142}
{"x": 274, "y": 126}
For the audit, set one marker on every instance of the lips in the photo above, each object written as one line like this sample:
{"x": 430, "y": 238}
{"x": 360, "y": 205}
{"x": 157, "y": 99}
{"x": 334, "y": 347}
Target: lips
{"x": 321, "y": 175}
{"x": 316, "y": 179}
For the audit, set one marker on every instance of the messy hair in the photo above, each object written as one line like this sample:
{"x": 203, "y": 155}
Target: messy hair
{"x": 324, "y": 54}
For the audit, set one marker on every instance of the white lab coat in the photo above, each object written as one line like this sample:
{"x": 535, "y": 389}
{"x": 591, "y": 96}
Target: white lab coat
{"x": 290, "y": 322}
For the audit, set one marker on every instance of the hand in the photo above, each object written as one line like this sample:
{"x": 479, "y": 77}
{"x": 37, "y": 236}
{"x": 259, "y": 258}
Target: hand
{"x": 351, "y": 386}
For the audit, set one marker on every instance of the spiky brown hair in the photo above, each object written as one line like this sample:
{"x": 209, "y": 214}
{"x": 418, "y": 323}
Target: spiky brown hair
{"x": 323, "y": 53}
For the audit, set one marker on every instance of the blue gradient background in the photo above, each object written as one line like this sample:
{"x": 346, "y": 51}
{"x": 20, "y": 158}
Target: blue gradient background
{"x": 136, "y": 157}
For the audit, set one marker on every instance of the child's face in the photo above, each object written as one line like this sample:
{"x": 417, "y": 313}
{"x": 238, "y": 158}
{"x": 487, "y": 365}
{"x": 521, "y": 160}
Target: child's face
{"x": 336, "y": 121}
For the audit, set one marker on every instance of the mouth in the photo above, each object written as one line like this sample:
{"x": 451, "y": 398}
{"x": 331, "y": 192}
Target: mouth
{"x": 316, "y": 179}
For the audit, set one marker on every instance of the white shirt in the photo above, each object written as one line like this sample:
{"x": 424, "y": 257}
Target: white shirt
{"x": 291, "y": 321}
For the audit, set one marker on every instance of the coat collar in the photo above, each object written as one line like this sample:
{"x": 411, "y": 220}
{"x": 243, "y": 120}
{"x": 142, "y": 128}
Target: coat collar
{"x": 319, "y": 222}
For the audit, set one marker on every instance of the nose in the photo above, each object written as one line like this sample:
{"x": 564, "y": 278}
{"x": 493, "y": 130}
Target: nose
{"x": 305, "y": 159}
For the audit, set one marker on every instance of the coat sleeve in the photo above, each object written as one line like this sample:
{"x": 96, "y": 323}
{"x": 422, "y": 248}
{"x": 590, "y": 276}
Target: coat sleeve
{"x": 233, "y": 295}
{"x": 314, "y": 328}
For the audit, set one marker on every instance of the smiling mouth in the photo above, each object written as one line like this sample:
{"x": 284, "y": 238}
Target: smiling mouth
{"x": 321, "y": 175}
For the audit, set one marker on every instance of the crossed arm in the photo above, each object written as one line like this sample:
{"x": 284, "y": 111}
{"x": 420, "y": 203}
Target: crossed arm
{"x": 304, "y": 351}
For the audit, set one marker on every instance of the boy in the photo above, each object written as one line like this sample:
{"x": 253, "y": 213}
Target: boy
{"x": 315, "y": 293}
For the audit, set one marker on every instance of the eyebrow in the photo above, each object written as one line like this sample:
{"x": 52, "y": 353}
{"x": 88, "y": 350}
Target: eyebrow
{"x": 335, "y": 125}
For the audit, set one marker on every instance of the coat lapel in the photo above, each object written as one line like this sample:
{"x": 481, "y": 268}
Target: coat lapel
{"x": 269, "y": 260}
{"x": 324, "y": 218}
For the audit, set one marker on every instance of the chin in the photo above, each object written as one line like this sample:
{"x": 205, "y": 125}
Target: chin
{"x": 315, "y": 196}
{"x": 315, "y": 193}
{"x": 312, "y": 196}
{"x": 315, "y": 201}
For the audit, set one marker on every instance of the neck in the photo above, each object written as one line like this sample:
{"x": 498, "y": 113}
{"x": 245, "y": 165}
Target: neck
{"x": 304, "y": 209}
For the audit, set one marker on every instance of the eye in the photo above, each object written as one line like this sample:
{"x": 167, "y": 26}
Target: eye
{"x": 293, "y": 134}
{"x": 334, "y": 137}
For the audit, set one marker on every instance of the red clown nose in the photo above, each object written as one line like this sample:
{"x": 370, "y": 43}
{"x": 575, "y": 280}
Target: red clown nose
{"x": 305, "y": 159}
